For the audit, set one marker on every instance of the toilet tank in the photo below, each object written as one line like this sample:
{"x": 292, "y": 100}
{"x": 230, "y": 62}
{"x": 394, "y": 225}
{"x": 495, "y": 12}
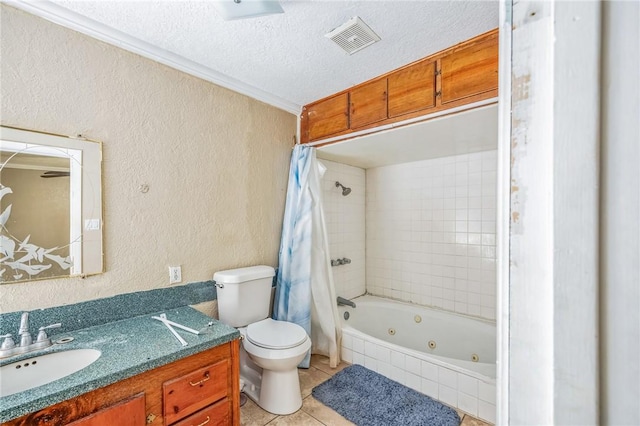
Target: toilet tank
{"x": 244, "y": 294}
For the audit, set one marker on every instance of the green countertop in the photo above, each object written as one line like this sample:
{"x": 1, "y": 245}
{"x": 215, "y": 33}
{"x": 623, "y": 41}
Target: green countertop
{"x": 129, "y": 347}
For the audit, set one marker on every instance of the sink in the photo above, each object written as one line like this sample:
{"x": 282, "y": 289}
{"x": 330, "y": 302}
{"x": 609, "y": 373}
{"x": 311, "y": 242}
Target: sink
{"x": 42, "y": 369}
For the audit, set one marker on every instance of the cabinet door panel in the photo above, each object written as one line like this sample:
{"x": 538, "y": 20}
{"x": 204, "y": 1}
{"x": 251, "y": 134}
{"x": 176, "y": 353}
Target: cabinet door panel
{"x": 412, "y": 89}
{"x": 328, "y": 117}
{"x": 126, "y": 413}
{"x": 470, "y": 71}
{"x": 217, "y": 414}
{"x": 369, "y": 103}
{"x": 187, "y": 394}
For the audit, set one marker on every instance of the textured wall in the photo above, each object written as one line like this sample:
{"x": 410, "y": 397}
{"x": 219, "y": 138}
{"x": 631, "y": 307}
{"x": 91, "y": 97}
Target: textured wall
{"x": 345, "y": 226}
{"x": 216, "y": 162}
{"x": 431, "y": 232}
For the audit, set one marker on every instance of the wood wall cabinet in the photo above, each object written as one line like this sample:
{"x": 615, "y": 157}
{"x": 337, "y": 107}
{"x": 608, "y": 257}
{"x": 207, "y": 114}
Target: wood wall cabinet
{"x": 470, "y": 71}
{"x": 368, "y": 103}
{"x": 412, "y": 88}
{"x": 199, "y": 388}
{"x": 460, "y": 75}
{"x": 327, "y": 117}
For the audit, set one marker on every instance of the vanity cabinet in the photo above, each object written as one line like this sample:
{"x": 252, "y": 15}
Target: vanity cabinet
{"x": 200, "y": 389}
{"x": 461, "y": 75}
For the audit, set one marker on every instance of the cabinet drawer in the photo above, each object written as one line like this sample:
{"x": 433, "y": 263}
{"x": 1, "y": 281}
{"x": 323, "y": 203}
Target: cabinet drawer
{"x": 217, "y": 414}
{"x": 187, "y": 394}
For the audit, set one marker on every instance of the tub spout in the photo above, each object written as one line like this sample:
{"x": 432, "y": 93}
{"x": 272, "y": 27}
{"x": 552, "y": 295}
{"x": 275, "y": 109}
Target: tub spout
{"x": 347, "y": 302}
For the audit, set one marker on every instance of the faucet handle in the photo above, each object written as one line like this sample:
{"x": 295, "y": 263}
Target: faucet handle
{"x": 42, "y": 334}
{"x": 8, "y": 342}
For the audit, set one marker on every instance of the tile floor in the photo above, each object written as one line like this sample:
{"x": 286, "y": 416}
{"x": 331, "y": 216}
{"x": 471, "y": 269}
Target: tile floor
{"x": 313, "y": 412}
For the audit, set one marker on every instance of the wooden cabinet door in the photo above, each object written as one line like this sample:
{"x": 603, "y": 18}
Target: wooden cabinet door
{"x": 368, "y": 103}
{"x": 327, "y": 117}
{"x": 471, "y": 70}
{"x": 412, "y": 89}
{"x": 126, "y": 413}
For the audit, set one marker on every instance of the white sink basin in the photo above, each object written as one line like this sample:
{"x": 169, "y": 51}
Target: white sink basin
{"x": 40, "y": 370}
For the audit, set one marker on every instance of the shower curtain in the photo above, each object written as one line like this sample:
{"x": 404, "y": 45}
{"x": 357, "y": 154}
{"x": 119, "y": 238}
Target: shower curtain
{"x": 305, "y": 294}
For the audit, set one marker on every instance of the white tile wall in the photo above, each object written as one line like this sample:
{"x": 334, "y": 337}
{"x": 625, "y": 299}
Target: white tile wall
{"x": 430, "y": 232}
{"x": 459, "y": 390}
{"x": 345, "y": 218}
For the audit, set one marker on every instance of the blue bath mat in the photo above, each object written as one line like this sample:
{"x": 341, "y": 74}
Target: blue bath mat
{"x": 368, "y": 399}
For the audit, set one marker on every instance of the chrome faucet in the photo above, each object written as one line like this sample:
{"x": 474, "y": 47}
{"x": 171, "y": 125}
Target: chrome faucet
{"x": 347, "y": 302}
{"x": 9, "y": 348}
{"x": 23, "y": 332}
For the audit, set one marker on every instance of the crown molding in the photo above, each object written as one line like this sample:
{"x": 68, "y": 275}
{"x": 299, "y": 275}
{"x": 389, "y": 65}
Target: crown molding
{"x": 67, "y": 18}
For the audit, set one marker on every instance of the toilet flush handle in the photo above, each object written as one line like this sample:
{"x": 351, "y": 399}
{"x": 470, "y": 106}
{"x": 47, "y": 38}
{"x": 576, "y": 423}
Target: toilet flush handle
{"x": 217, "y": 284}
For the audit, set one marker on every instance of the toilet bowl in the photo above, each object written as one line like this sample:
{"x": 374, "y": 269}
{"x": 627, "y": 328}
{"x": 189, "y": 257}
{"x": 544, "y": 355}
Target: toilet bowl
{"x": 271, "y": 350}
{"x": 276, "y": 347}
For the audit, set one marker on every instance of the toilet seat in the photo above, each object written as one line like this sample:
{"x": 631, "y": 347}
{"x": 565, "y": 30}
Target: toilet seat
{"x": 272, "y": 334}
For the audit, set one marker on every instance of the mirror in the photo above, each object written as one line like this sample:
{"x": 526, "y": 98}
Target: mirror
{"x": 50, "y": 206}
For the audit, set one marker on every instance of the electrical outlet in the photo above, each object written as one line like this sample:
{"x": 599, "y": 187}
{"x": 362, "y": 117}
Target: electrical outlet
{"x": 175, "y": 274}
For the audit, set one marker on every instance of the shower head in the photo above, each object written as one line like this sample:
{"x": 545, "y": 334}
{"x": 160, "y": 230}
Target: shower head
{"x": 345, "y": 191}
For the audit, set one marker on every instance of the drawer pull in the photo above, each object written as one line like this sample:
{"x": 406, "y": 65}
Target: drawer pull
{"x": 205, "y": 422}
{"x": 206, "y": 377}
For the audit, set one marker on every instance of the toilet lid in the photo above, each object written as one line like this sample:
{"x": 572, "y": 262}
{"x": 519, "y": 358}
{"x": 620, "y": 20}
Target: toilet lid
{"x": 273, "y": 334}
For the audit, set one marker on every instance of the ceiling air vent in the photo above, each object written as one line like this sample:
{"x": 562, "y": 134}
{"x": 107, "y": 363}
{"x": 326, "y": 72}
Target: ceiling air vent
{"x": 353, "y": 35}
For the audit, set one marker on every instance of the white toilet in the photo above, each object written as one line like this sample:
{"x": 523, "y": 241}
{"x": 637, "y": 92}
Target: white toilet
{"x": 274, "y": 348}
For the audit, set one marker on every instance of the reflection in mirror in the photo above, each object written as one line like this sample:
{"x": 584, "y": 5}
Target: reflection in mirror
{"x": 50, "y": 206}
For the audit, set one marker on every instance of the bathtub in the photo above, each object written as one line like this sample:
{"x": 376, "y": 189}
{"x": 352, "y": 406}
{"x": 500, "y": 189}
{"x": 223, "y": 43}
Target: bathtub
{"x": 446, "y": 356}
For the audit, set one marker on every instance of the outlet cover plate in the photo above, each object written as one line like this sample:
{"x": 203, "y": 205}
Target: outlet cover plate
{"x": 175, "y": 274}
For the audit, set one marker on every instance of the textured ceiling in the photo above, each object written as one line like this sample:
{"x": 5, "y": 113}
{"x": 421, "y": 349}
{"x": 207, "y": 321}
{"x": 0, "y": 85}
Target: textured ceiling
{"x": 287, "y": 55}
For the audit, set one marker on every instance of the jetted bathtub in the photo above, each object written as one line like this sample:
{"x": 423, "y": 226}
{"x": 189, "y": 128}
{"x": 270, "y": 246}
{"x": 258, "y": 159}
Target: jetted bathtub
{"x": 446, "y": 356}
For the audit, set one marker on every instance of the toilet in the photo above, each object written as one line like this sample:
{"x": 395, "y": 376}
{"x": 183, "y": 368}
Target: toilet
{"x": 270, "y": 350}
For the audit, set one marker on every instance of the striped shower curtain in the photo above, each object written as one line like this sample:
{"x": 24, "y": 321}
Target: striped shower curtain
{"x": 305, "y": 294}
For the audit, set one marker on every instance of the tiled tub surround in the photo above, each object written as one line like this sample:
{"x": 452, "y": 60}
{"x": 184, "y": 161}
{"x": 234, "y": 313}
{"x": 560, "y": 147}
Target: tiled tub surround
{"x": 345, "y": 218}
{"x": 430, "y": 233}
{"x": 445, "y": 373}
